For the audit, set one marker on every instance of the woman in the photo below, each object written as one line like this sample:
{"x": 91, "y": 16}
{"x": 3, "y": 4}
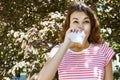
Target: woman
{"x": 87, "y": 60}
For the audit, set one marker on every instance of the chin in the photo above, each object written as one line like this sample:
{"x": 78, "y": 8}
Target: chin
{"x": 78, "y": 44}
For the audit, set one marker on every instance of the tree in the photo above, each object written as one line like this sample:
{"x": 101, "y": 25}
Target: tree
{"x": 30, "y": 28}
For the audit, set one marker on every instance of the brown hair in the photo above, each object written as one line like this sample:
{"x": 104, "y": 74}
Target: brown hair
{"x": 94, "y": 36}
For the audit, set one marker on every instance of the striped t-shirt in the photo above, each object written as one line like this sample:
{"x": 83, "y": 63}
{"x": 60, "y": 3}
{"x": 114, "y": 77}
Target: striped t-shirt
{"x": 85, "y": 65}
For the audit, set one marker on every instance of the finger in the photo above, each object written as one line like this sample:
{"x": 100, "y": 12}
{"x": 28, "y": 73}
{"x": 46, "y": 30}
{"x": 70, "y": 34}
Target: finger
{"x": 70, "y": 30}
{"x": 73, "y": 29}
{"x": 77, "y": 31}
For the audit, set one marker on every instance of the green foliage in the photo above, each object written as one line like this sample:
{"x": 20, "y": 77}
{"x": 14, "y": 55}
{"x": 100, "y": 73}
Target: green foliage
{"x": 30, "y": 28}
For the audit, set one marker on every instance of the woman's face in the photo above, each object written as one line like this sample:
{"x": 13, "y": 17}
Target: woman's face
{"x": 80, "y": 21}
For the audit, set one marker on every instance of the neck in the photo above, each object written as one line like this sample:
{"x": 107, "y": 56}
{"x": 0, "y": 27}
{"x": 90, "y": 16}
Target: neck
{"x": 78, "y": 47}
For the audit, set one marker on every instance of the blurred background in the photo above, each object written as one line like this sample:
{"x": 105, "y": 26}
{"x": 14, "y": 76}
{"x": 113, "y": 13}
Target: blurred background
{"x": 30, "y": 28}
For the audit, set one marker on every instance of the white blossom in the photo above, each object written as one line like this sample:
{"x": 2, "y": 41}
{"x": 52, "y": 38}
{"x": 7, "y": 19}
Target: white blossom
{"x": 35, "y": 51}
{"x": 23, "y": 44}
{"x": 103, "y": 30}
{"x": 0, "y": 44}
{"x": 27, "y": 63}
{"x": 8, "y": 35}
{"x": 7, "y": 78}
{"x": 19, "y": 40}
{"x": 22, "y": 35}
{"x": 21, "y": 64}
{"x": 16, "y": 34}
{"x": 109, "y": 30}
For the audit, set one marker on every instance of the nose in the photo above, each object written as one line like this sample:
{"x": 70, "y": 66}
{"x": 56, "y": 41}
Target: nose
{"x": 80, "y": 26}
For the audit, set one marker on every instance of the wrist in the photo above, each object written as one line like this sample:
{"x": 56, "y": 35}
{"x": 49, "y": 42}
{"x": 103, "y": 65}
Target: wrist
{"x": 65, "y": 45}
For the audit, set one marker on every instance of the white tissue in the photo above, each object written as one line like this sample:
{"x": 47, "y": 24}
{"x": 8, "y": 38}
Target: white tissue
{"x": 77, "y": 37}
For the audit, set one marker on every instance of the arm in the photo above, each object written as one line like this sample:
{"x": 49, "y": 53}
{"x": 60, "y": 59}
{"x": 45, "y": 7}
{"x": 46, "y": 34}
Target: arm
{"x": 108, "y": 72}
{"x": 51, "y": 66}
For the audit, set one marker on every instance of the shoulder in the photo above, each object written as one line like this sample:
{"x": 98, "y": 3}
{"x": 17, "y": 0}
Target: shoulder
{"x": 53, "y": 51}
{"x": 105, "y": 49}
{"x": 101, "y": 45}
{"x": 105, "y": 46}
{"x": 56, "y": 46}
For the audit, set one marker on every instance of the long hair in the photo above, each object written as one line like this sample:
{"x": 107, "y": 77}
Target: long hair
{"x": 94, "y": 36}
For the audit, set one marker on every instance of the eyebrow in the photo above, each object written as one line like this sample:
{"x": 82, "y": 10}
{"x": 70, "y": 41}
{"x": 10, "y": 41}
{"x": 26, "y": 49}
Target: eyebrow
{"x": 86, "y": 18}
{"x": 77, "y": 18}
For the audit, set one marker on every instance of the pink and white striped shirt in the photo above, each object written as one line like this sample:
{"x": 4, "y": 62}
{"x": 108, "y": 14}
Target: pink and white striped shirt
{"x": 85, "y": 65}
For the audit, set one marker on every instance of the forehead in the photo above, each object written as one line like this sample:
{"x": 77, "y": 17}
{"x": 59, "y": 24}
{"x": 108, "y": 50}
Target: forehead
{"x": 78, "y": 15}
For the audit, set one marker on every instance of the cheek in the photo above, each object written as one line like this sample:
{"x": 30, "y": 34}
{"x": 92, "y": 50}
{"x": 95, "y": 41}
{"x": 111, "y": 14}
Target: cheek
{"x": 70, "y": 24}
{"x": 87, "y": 30}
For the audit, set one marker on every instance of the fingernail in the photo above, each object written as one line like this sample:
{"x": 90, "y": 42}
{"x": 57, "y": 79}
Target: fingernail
{"x": 77, "y": 31}
{"x": 74, "y": 30}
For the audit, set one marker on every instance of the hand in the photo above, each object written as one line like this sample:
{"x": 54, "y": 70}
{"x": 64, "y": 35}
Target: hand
{"x": 67, "y": 40}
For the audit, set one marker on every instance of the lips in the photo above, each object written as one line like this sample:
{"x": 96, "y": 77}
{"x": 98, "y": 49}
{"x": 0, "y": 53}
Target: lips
{"x": 77, "y": 37}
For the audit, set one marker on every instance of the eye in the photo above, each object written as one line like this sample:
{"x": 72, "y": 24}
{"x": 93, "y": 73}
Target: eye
{"x": 86, "y": 21}
{"x": 75, "y": 22}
